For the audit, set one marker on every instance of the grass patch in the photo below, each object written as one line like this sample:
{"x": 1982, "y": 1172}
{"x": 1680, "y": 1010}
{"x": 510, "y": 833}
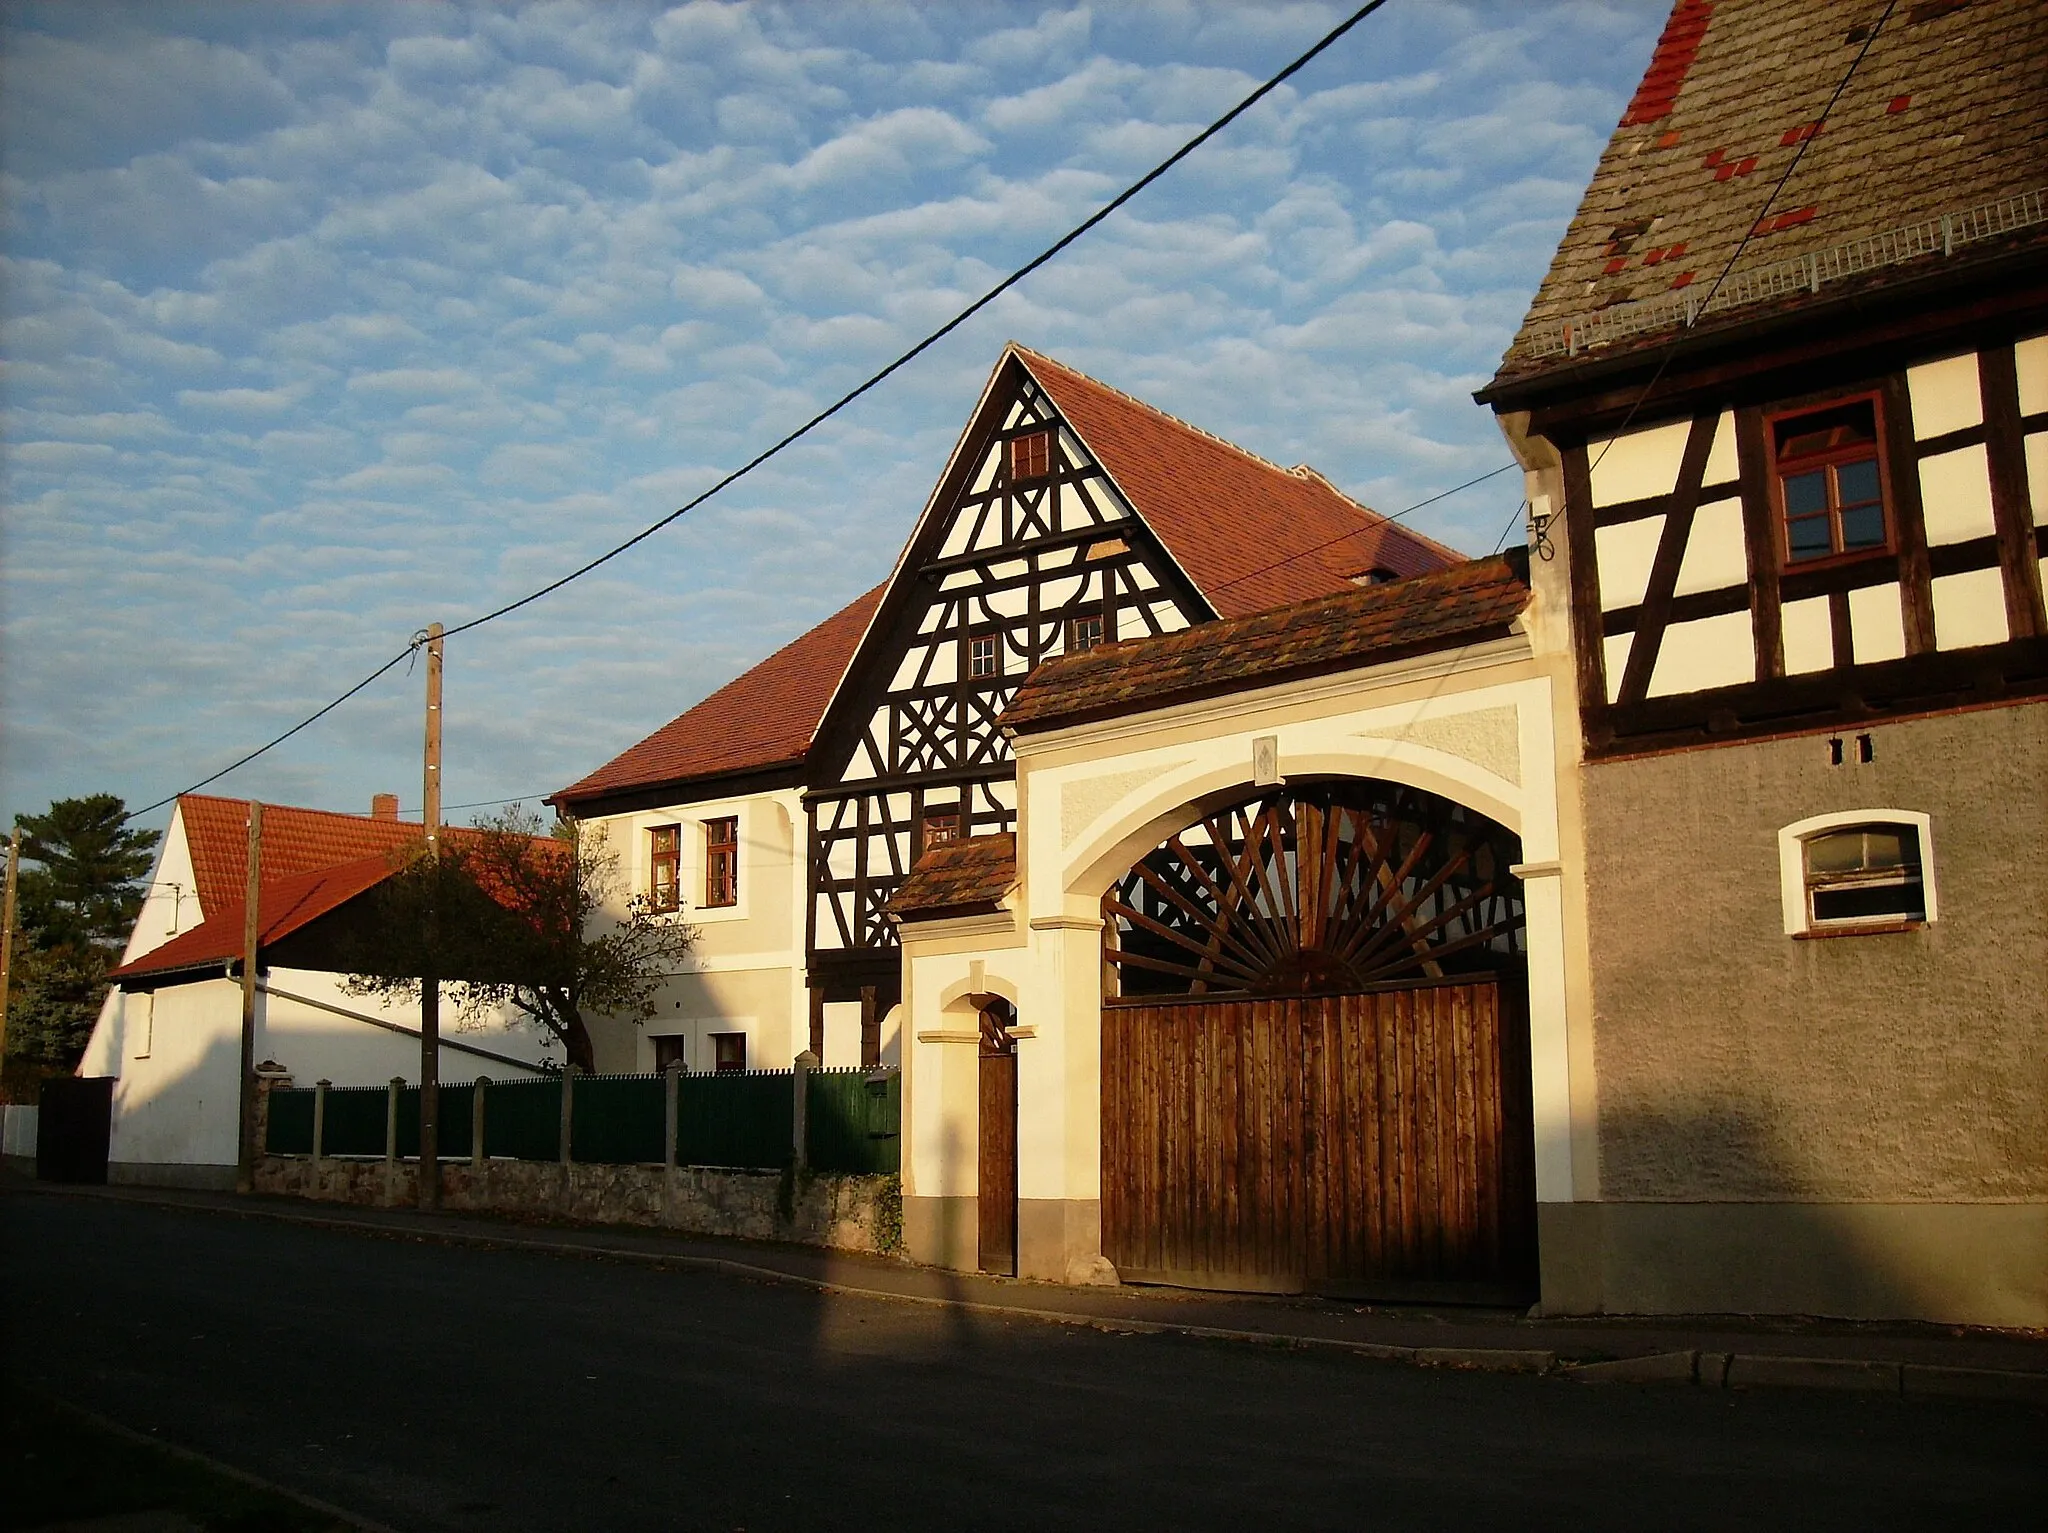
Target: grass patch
{"x": 62, "y": 1467}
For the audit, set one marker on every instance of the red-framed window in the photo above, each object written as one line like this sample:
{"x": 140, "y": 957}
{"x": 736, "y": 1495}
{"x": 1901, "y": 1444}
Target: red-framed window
{"x": 721, "y": 862}
{"x": 664, "y": 867}
{"x": 1828, "y": 479}
{"x": 1031, "y": 455}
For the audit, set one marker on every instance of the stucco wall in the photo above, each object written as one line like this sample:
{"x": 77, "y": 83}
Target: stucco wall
{"x": 1738, "y": 1063}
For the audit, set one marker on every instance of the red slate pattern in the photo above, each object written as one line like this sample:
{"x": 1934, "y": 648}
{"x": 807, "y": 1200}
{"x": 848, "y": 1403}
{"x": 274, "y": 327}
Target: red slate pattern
{"x": 763, "y": 718}
{"x": 1423, "y": 613}
{"x": 1751, "y": 93}
{"x": 295, "y": 841}
{"x": 958, "y": 876}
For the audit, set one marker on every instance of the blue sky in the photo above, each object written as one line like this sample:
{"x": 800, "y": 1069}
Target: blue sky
{"x": 326, "y": 321}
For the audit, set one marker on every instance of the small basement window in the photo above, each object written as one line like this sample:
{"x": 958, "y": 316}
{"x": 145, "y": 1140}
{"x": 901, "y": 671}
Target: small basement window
{"x": 1828, "y": 475}
{"x": 1849, "y": 873}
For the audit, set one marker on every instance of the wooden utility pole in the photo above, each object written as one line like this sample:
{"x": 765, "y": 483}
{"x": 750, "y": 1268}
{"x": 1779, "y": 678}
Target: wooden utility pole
{"x": 7, "y": 935}
{"x": 430, "y": 982}
{"x": 245, "y": 1154}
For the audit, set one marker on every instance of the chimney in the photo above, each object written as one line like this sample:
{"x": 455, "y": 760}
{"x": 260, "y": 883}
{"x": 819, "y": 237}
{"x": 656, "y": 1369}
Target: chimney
{"x": 383, "y": 806}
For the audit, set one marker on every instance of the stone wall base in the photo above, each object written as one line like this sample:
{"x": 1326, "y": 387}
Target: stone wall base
{"x": 1955, "y": 1263}
{"x": 193, "y": 1178}
{"x": 846, "y": 1213}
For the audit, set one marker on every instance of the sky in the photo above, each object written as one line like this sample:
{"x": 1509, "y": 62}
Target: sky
{"x": 319, "y": 323}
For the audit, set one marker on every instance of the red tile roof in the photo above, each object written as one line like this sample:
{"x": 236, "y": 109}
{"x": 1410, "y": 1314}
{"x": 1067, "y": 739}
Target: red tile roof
{"x": 295, "y": 841}
{"x": 1435, "y": 611}
{"x": 1946, "y": 113}
{"x": 764, "y": 718}
{"x": 1250, "y": 534}
{"x": 282, "y": 907}
{"x": 958, "y": 878}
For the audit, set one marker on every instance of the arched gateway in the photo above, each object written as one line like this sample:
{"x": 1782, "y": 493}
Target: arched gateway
{"x": 1315, "y": 1051}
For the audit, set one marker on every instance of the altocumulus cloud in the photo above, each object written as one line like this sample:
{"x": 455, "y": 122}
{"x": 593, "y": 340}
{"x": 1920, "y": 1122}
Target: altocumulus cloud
{"x": 322, "y": 323}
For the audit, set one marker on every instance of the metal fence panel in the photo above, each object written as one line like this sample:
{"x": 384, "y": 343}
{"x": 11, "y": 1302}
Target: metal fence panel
{"x": 355, "y": 1121}
{"x": 853, "y": 1121}
{"x": 523, "y": 1119}
{"x": 736, "y": 1119}
{"x": 619, "y": 1120}
{"x": 289, "y": 1128}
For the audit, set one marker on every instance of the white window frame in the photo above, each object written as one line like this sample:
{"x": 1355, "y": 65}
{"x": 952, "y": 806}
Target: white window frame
{"x": 1792, "y": 841}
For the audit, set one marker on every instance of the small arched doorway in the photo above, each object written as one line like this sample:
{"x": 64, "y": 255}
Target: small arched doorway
{"x": 1315, "y": 1051}
{"x": 996, "y": 1152}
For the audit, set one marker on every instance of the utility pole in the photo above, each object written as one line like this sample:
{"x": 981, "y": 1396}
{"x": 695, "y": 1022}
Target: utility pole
{"x": 7, "y": 934}
{"x": 245, "y": 1154}
{"x": 430, "y": 982}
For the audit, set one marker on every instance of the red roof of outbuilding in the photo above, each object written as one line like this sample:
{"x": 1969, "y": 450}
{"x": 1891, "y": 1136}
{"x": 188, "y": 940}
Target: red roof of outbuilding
{"x": 763, "y": 718}
{"x": 294, "y": 841}
{"x": 1250, "y": 534}
{"x": 282, "y": 907}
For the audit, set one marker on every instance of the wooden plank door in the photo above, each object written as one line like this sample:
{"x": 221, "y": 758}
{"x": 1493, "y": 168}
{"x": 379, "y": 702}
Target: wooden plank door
{"x": 997, "y": 1185}
{"x": 1366, "y": 1142}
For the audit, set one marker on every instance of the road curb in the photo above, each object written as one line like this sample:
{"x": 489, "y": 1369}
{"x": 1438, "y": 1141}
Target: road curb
{"x": 1711, "y": 1369}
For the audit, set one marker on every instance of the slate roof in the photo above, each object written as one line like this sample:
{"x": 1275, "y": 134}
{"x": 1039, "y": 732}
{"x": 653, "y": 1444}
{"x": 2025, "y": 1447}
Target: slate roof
{"x": 762, "y": 719}
{"x": 282, "y": 907}
{"x": 1466, "y": 603}
{"x": 1250, "y": 534}
{"x": 1947, "y": 112}
{"x": 954, "y": 878}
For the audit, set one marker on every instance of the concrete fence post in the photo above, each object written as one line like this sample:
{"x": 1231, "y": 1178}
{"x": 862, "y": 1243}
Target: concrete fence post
{"x": 671, "y": 1092}
{"x": 319, "y": 1120}
{"x": 476, "y": 1120}
{"x": 568, "y": 1107}
{"x": 391, "y": 1120}
{"x": 800, "y": 1138}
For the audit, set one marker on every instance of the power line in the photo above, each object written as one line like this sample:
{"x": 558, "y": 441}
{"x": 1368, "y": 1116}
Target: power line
{"x": 1015, "y": 277}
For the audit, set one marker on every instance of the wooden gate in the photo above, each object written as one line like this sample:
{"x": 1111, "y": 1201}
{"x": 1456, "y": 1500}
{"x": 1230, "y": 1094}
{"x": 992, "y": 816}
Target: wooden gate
{"x": 996, "y": 1195}
{"x": 1369, "y": 1143}
{"x": 1315, "y": 1051}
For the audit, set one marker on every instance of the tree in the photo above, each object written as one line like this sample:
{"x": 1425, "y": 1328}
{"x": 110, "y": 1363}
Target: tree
{"x": 78, "y": 895}
{"x": 519, "y": 920}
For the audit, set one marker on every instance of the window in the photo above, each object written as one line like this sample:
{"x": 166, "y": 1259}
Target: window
{"x": 721, "y": 862}
{"x": 669, "y": 1050}
{"x": 1860, "y": 871}
{"x": 937, "y": 826}
{"x": 664, "y": 867}
{"x": 984, "y": 657}
{"x": 728, "y": 1052}
{"x": 1829, "y": 473}
{"x": 1030, "y": 455}
{"x": 1084, "y": 633}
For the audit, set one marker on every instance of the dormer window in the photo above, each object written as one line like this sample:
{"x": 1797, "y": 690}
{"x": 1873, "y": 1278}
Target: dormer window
{"x": 1377, "y": 575}
{"x": 1030, "y": 455}
{"x": 1829, "y": 476}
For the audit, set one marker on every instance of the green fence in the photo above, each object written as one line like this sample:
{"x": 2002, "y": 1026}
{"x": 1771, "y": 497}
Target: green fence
{"x": 853, "y": 1121}
{"x": 737, "y": 1119}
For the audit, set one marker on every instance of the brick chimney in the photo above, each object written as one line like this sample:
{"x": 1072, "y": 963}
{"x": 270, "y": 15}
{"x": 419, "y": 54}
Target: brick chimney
{"x": 383, "y": 806}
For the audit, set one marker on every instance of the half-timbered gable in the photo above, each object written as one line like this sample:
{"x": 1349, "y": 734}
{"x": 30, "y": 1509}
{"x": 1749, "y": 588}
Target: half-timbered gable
{"x": 1070, "y": 516}
{"x": 1782, "y": 402}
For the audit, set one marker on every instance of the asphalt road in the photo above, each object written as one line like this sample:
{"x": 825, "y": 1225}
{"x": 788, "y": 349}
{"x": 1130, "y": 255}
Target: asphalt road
{"x": 436, "y": 1387}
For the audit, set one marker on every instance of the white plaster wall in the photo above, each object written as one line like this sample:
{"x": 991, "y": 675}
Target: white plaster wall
{"x": 1716, "y": 555}
{"x": 1955, "y": 491}
{"x": 1626, "y": 551}
{"x": 1945, "y": 395}
{"x": 1707, "y": 652}
{"x": 1969, "y": 609}
{"x": 1877, "y": 624}
{"x": 1638, "y": 465}
{"x": 2030, "y": 360}
{"x": 1809, "y": 636}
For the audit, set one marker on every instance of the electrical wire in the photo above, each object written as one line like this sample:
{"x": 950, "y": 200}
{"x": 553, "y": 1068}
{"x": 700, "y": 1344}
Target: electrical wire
{"x": 1078, "y": 231}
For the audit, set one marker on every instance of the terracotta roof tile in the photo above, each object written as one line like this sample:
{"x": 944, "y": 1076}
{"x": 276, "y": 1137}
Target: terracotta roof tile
{"x": 1427, "y": 612}
{"x": 763, "y": 718}
{"x": 1947, "y": 112}
{"x": 1250, "y": 534}
{"x": 295, "y": 841}
{"x": 282, "y": 907}
{"x": 958, "y": 878}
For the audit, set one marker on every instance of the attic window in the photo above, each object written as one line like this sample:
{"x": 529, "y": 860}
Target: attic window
{"x": 1030, "y": 455}
{"x": 1378, "y": 575}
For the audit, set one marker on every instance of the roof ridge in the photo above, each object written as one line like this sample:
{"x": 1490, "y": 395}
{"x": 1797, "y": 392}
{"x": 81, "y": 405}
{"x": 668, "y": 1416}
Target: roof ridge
{"x": 268, "y": 804}
{"x": 1193, "y": 430}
